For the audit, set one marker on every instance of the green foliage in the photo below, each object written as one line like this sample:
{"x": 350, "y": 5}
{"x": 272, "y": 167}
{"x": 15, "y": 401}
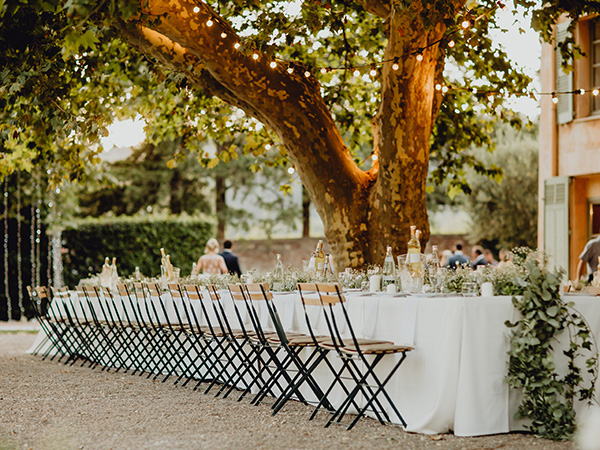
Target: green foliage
{"x": 547, "y": 395}
{"x": 504, "y": 209}
{"x": 134, "y": 242}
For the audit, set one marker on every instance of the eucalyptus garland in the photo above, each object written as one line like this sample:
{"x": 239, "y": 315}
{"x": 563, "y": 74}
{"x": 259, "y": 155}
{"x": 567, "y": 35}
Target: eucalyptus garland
{"x": 548, "y": 396}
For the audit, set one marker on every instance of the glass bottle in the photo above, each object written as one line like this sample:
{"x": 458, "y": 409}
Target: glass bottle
{"x": 311, "y": 263}
{"x": 433, "y": 268}
{"x": 278, "y": 274}
{"x": 113, "y": 271}
{"x": 319, "y": 258}
{"x": 389, "y": 269}
{"x": 414, "y": 253}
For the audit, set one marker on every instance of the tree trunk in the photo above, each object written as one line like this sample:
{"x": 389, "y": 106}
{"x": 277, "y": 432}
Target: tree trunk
{"x": 362, "y": 211}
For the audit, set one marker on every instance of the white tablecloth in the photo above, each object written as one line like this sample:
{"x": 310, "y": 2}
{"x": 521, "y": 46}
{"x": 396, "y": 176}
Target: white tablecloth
{"x": 454, "y": 379}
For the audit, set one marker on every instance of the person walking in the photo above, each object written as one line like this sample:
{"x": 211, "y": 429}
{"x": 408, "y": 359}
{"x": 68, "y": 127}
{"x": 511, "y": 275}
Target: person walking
{"x": 231, "y": 259}
{"x": 211, "y": 262}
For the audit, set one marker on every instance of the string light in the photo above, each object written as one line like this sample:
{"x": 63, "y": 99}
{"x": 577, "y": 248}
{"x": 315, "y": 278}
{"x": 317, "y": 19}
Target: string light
{"x": 323, "y": 71}
{"x": 291, "y": 170}
{"x": 223, "y": 35}
{"x": 307, "y": 74}
{"x": 438, "y": 87}
{"x": 395, "y": 66}
{"x": 273, "y": 64}
{"x": 196, "y": 10}
{"x": 209, "y": 23}
{"x": 356, "y": 73}
{"x": 374, "y": 157}
{"x": 255, "y": 56}
{"x": 373, "y": 71}
{"x": 554, "y": 98}
{"x": 237, "y": 45}
{"x": 595, "y": 92}
{"x": 444, "y": 89}
{"x": 268, "y": 146}
{"x": 465, "y": 24}
{"x": 290, "y": 70}
{"x": 419, "y": 56}
{"x": 451, "y": 43}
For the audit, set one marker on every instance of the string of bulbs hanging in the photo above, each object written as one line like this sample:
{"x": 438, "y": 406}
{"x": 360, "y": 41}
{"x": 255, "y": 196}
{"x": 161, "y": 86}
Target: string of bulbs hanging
{"x": 418, "y": 54}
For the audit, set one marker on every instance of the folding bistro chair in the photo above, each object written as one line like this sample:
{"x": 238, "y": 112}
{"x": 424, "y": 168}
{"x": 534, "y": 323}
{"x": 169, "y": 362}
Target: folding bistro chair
{"x": 359, "y": 358}
{"x": 284, "y": 352}
{"x": 233, "y": 359}
{"x": 56, "y": 328}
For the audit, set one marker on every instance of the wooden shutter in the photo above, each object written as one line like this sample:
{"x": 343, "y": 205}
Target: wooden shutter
{"x": 556, "y": 221}
{"x": 564, "y": 81}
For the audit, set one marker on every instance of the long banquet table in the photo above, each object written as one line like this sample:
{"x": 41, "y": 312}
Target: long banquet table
{"x": 454, "y": 379}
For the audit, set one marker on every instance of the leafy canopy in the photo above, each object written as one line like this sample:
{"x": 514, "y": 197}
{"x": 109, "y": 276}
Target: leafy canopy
{"x": 67, "y": 73}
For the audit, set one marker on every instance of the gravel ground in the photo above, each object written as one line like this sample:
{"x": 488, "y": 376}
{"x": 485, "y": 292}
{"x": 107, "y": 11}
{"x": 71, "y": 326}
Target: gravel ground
{"x": 45, "y": 405}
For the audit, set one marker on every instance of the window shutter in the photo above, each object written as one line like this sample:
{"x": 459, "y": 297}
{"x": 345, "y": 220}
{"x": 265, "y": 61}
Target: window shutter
{"x": 556, "y": 222}
{"x": 564, "y": 81}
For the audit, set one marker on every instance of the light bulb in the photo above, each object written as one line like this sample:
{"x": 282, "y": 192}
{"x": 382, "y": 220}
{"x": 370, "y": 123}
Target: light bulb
{"x": 595, "y": 92}
{"x": 273, "y": 64}
{"x": 209, "y": 23}
{"x": 554, "y": 99}
{"x": 451, "y": 44}
{"x": 290, "y": 70}
{"x": 438, "y": 87}
{"x": 374, "y": 157}
{"x": 373, "y": 72}
{"x": 419, "y": 57}
{"x": 255, "y": 56}
{"x": 356, "y": 73}
{"x": 307, "y": 74}
{"x": 268, "y": 146}
{"x": 582, "y": 91}
{"x": 236, "y": 45}
{"x": 444, "y": 89}
{"x": 395, "y": 66}
{"x": 291, "y": 170}
{"x": 323, "y": 71}
{"x": 223, "y": 35}
{"x": 465, "y": 24}
{"x": 196, "y": 10}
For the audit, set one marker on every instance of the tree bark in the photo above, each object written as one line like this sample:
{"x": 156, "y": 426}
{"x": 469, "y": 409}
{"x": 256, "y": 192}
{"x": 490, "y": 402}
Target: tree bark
{"x": 362, "y": 211}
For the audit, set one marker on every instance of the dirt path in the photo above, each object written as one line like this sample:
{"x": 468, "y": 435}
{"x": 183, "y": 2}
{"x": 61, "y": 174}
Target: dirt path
{"x": 46, "y": 405}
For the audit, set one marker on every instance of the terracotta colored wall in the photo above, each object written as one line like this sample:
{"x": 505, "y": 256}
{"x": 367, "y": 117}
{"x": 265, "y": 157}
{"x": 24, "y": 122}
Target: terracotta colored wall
{"x": 571, "y": 149}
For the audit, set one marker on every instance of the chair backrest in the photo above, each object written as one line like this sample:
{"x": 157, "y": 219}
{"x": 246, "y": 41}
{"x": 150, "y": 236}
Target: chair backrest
{"x": 261, "y": 291}
{"x": 326, "y": 295}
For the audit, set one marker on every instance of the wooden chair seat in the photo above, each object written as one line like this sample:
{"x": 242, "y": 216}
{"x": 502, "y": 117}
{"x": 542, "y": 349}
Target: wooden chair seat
{"x": 376, "y": 349}
{"x": 328, "y": 343}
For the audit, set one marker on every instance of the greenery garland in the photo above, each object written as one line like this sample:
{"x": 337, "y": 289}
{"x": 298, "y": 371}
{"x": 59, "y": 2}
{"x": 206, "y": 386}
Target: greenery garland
{"x": 547, "y": 396}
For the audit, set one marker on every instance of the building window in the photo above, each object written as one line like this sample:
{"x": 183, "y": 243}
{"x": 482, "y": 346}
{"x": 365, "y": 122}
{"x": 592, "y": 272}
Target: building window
{"x": 595, "y": 60}
{"x": 595, "y": 217}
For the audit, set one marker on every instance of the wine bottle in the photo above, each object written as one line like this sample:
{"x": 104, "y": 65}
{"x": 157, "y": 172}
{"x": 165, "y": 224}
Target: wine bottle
{"x": 414, "y": 253}
{"x": 319, "y": 258}
{"x": 389, "y": 269}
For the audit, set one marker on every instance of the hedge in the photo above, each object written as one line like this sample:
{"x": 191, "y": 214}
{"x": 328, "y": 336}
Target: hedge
{"x": 134, "y": 242}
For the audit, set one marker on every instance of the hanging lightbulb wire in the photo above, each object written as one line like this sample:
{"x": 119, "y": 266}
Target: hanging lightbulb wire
{"x": 6, "y": 277}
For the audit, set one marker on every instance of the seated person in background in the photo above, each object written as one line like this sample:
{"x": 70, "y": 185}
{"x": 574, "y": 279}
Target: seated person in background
{"x": 458, "y": 258}
{"x": 478, "y": 257}
{"x": 489, "y": 257}
{"x": 211, "y": 262}
{"x": 231, "y": 259}
{"x": 505, "y": 257}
